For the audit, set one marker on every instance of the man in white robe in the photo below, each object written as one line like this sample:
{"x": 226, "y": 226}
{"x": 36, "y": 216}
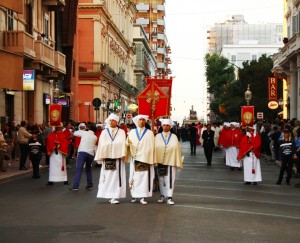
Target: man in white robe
{"x": 140, "y": 142}
{"x": 111, "y": 153}
{"x": 168, "y": 157}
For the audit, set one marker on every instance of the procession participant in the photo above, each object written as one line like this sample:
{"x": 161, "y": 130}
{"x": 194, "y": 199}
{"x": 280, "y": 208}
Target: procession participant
{"x": 140, "y": 142}
{"x": 35, "y": 146}
{"x": 23, "y": 136}
{"x": 287, "y": 154}
{"x": 57, "y": 149}
{"x": 85, "y": 156}
{"x": 208, "y": 143}
{"x": 111, "y": 154}
{"x": 68, "y": 131}
{"x": 3, "y": 146}
{"x": 168, "y": 157}
{"x": 232, "y": 143}
{"x": 250, "y": 153}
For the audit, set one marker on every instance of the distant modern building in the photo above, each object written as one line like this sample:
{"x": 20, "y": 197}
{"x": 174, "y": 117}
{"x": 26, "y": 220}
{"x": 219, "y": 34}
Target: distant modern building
{"x": 151, "y": 15}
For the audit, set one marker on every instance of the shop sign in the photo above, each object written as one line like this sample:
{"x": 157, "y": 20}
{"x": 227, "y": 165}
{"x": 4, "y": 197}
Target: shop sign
{"x": 28, "y": 80}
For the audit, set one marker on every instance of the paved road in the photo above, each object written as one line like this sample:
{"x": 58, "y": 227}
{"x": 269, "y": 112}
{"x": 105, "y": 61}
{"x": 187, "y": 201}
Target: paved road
{"x": 211, "y": 205}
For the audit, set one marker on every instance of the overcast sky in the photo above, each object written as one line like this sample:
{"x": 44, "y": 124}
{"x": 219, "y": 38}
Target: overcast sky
{"x": 186, "y": 25}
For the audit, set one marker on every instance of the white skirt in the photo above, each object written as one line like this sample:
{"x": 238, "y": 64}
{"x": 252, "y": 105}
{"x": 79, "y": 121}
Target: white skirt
{"x": 140, "y": 182}
{"x": 109, "y": 182}
{"x": 55, "y": 167}
{"x": 164, "y": 183}
{"x": 231, "y": 157}
{"x": 250, "y": 164}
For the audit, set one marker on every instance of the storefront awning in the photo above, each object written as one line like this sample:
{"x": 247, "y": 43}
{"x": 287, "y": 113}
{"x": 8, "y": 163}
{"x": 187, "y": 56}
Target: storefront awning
{"x": 11, "y": 71}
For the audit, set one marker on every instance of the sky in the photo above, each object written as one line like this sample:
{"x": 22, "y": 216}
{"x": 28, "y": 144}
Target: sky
{"x": 187, "y": 23}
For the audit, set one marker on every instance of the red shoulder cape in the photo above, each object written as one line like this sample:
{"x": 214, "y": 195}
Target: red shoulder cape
{"x": 249, "y": 143}
{"x": 58, "y": 139}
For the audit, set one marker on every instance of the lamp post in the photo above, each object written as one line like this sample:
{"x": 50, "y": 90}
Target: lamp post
{"x": 248, "y": 95}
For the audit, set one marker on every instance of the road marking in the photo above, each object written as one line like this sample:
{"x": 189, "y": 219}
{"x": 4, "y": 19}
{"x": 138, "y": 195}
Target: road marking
{"x": 238, "y": 199}
{"x": 238, "y": 211}
{"x": 229, "y": 189}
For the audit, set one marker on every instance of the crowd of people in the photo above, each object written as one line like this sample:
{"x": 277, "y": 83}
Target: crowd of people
{"x": 110, "y": 145}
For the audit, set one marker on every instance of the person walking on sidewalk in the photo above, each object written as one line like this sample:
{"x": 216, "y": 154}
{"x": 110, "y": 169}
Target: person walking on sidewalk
{"x": 111, "y": 153}
{"x": 168, "y": 156}
{"x": 140, "y": 142}
{"x": 208, "y": 143}
{"x": 35, "y": 145}
{"x": 85, "y": 156}
{"x": 287, "y": 154}
{"x": 57, "y": 149}
{"x": 3, "y": 146}
{"x": 23, "y": 136}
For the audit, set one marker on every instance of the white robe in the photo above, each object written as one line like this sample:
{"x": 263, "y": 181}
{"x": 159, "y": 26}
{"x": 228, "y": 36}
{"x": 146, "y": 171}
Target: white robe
{"x": 55, "y": 166}
{"x": 231, "y": 157}
{"x": 142, "y": 151}
{"x": 249, "y": 165}
{"x": 109, "y": 181}
{"x": 164, "y": 183}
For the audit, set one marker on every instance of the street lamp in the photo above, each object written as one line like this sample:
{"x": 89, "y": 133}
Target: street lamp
{"x": 248, "y": 95}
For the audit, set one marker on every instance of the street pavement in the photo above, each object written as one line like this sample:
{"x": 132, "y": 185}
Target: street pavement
{"x": 211, "y": 205}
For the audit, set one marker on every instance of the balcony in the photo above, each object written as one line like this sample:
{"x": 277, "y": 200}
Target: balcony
{"x": 16, "y": 6}
{"x": 161, "y": 7}
{"x": 19, "y": 42}
{"x": 59, "y": 62}
{"x": 142, "y": 21}
{"x": 44, "y": 54}
{"x": 142, "y": 7}
{"x": 161, "y": 22}
{"x": 161, "y": 36}
{"x": 161, "y": 65}
{"x": 53, "y": 2}
{"x": 161, "y": 50}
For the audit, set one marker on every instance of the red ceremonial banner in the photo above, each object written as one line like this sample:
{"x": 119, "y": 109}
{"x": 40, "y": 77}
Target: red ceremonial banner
{"x": 55, "y": 115}
{"x": 154, "y": 102}
{"x": 272, "y": 86}
{"x": 247, "y": 116}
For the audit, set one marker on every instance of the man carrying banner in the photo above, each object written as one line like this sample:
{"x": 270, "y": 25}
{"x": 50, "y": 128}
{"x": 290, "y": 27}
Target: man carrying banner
{"x": 140, "y": 142}
{"x": 250, "y": 153}
{"x": 168, "y": 157}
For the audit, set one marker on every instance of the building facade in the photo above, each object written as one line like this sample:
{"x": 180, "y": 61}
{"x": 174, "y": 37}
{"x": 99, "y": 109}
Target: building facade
{"x": 106, "y": 57}
{"x": 33, "y": 47}
{"x": 287, "y": 60}
{"x": 151, "y": 15}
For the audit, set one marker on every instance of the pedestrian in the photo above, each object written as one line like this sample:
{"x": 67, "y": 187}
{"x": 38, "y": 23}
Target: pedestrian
{"x": 85, "y": 156}
{"x": 35, "y": 145}
{"x": 3, "y": 146}
{"x": 232, "y": 143}
{"x": 23, "y": 136}
{"x": 249, "y": 152}
{"x": 208, "y": 143}
{"x": 193, "y": 138}
{"x": 168, "y": 157}
{"x": 9, "y": 139}
{"x": 287, "y": 154}
{"x": 81, "y": 126}
{"x": 141, "y": 157}
{"x": 68, "y": 131}
{"x": 111, "y": 154}
{"x": 57, "y": 149}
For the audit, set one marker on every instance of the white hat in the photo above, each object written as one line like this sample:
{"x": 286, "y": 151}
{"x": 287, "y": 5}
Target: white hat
{"x": 166, "y": 122}
{"x": 99, "y": 125}
{"x": 112, "y": 116}
{"x": 138, "y": 117}
{"x": 227, "y": 124}
{"x": 82, "y": 125}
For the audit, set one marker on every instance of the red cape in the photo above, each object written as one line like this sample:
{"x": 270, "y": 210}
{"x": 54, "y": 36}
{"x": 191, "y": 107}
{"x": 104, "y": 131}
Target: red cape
{"x": 249, "y": 143}
{"x": 58, "y": 139}
{"x": 222, "y": 138}
{"x": 233, "y": 138}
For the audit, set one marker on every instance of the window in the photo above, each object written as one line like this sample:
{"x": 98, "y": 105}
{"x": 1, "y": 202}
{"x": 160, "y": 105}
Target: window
{"x": 46, "y": 29}
{"x": 10, "y": 20}
{"x": 233, "y": 58}
{"x": 254, "y": 57}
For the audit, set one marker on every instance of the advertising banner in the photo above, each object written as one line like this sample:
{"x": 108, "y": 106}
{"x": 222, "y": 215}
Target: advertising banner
{"x": 272, "y": 88}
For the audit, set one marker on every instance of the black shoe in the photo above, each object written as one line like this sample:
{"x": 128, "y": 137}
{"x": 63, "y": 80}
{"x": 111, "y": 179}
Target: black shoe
{"x": 50, "y": 183}
{"x": 254, "y": 183}
{"x": 232, "y": 169}
{"x": 36, "y": 177}
{"x": 247, "y": 183}
{"x": 288, "y": 183}
{"x": 239, "y": 169}
{"x": 23, "y": 168}
{"x": 66, "y": 183}
{"x": 75, "y": 189}
{"x": 90, "y": 187}
{"x": 278, "y": 183}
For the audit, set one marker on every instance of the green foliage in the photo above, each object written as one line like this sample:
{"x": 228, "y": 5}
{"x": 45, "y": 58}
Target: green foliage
{"x": 229, "y": 92}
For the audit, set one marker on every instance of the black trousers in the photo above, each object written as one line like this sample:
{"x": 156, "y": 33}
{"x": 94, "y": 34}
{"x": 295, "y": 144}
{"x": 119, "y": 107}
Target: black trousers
{"x": 287, "y": 165}
{"x": 193, "y": 144}
{"x": 36, "y": 167}
{"x": 23, "y": 154}
{"x": 208, "y": 151}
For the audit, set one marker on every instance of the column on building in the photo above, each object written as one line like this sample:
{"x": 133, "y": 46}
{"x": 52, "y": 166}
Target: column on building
{"x": 293, "y": 89}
